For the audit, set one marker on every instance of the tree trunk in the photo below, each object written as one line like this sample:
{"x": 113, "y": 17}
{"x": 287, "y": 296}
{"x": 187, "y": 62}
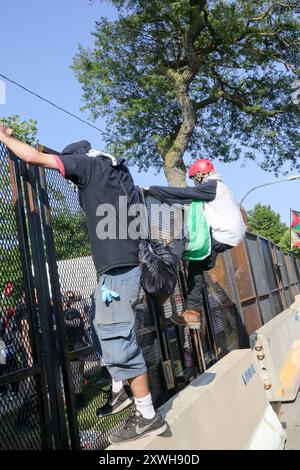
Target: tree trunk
{"x": 176, "y": 175}
{"x": 174, "y": 166}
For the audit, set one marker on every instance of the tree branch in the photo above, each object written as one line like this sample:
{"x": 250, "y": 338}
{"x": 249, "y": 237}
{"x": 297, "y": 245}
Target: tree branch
{"x": 196, "y": 25}
{"x": 207, "y": 101}
{"x": 275, "y": 57}
{"x": 238, "y": 100}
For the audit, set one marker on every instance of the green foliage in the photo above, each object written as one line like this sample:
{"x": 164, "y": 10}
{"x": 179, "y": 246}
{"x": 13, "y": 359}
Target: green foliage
{"x": 263, "y": 221}
{"x": 69, "y": 226}
{"x": 22, "y": 130}
{"x": 233, "y": 63}
{"x": 70, "y": 232}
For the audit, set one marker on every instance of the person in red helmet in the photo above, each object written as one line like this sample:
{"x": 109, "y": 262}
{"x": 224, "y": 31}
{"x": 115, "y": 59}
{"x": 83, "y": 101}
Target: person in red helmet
{"x": 226, "y": 225}
{"x": 202, "y": 167}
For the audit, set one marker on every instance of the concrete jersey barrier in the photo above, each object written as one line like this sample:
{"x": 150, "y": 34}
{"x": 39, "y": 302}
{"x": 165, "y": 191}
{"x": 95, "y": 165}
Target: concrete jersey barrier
{"x": 296, "y": 304}
{"x": 276, "y": 347}
{"x": 224, "y": 408}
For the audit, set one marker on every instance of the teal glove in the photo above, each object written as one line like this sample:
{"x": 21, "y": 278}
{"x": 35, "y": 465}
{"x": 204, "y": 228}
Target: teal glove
{"x": 108, "y": 295}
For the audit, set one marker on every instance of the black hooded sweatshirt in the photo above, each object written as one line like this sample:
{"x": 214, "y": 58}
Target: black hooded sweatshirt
{"x": 98, "y": 182}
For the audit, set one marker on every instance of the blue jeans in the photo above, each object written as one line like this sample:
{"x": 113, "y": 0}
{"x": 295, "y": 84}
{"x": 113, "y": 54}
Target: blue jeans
{"x": 114, "y": 323}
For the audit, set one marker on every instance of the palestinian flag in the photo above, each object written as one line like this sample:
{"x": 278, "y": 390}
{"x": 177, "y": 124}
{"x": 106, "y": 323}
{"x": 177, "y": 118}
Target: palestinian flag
{"x": 295, "y": 225}
{"x": 295, "y": 239}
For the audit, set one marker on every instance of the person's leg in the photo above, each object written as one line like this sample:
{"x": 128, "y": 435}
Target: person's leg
{"x": 106, "y": 334}
{"x": 194, "y": 300}
{"x": 122, "y": 353}
{"x": 145, "y": 421}
{"x": 142, "y": 396}
{"x": 139, "y": 385}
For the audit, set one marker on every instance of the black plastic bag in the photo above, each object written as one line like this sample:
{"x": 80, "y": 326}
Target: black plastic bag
{"x": 159, "y": 269}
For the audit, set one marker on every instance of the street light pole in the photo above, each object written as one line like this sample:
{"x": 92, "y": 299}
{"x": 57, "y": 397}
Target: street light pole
{"x": 289, "y": 178}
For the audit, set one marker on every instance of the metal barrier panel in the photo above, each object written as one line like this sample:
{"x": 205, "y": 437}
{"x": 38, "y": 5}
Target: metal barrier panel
{"x": 24, "y": 414}
{"x": 245, "y": 287}
{"x": 291, "y": 269}
{"x": 281, "y": 290}
{"x": 259, "y": 272}
{"x": 282, "y": 270}
{"x": 223, "y": 312}
{"x": 276, "y": 302}
{"x": 267, "y": 257}
{"x": 297, "y": 272}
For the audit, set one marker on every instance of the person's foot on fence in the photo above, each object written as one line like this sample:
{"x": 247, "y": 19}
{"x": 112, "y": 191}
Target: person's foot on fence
{"x": 117, "y": 402}
{"x": 190, "y": 318}
{"x": 137, "y": 426}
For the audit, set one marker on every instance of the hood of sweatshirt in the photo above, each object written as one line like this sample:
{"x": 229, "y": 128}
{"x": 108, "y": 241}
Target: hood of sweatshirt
{"x": 84, "y": 148}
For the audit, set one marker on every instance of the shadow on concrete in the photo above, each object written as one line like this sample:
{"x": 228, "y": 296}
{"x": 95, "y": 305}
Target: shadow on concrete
{"x": 205, "y": 379}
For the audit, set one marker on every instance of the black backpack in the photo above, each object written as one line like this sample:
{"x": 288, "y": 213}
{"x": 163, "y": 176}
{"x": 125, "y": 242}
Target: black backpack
{"x": 158, "y": 262}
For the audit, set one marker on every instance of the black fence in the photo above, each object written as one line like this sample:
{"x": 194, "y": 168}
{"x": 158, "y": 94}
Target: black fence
{"x": 53, "y": 380}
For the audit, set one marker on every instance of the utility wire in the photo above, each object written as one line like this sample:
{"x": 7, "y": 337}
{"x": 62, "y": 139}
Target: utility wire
{"x": 53, "y": 104}
{"x": 61, "y": 109}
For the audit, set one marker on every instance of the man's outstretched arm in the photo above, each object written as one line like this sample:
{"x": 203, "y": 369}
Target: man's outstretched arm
{"x": 25, "y": 152}
{"x": 204, "y": 192}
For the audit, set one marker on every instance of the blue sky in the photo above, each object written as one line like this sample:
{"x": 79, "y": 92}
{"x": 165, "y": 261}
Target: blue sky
{"x": 38, "y": 42}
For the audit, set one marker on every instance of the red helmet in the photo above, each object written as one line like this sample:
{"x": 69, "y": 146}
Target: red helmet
{"x": 201, "y": 166}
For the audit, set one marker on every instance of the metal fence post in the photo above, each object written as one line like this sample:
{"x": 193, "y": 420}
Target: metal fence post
{"x": 58, "y": 311}
{"x": 60, "y": 434}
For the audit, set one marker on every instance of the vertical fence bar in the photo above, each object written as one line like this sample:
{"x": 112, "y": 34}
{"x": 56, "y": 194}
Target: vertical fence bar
{"x": 60, "y": 434}
{"x": 58, "y": 311}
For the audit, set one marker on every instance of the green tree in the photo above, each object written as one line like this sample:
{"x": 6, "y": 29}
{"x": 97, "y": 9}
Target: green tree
{"x": 213, "y": 77}
{"x": 263, "y": 221}
{"x": 68, "y": 221}
{"x": 22, "y": 130}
